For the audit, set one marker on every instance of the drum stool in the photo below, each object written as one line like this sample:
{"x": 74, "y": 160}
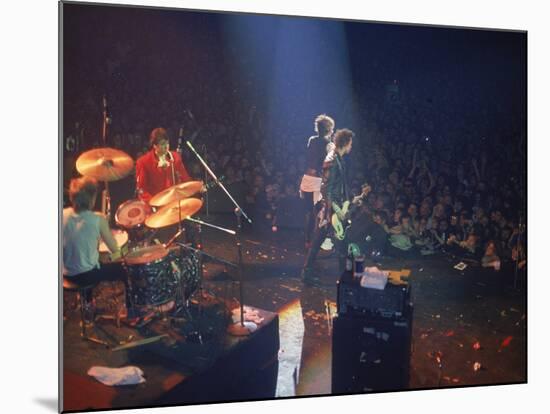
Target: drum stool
{"x": 70, "y": 286}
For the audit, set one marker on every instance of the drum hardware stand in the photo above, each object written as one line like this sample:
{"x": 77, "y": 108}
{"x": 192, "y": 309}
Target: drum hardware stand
{"x": 239, "y": 328}
{"x": 105, "y": 197}
{"x": 226, "y": 263}
{"x": 179, "y": 201}
{"x": 185, "y": 305}
{"x": 106, "y": 201}
{"x": 200, "y": 253}
{"x": 185, "y": 301}
{"x": 147, "y": 240}
{"x": 200, "y": 222}
{"x": 171, "y": 241}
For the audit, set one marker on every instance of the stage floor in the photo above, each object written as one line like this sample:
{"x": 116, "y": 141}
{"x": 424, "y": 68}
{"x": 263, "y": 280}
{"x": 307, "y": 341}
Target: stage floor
{"x": 469, "y": 327}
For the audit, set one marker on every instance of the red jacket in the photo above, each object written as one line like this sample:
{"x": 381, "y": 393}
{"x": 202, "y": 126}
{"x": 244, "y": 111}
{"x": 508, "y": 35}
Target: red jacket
{"x": 152, "y": 179}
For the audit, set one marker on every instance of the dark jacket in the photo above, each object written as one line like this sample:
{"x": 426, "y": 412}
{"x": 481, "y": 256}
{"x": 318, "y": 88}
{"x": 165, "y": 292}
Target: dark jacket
{"x": 316, "y": 153}
{"x": 334, "y": 187}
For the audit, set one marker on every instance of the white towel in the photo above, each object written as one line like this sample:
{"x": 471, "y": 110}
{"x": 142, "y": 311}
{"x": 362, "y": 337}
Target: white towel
{"x": 312, "y": 184}
{"x": 117, "y": 376}
{"x": 374, "y": 278}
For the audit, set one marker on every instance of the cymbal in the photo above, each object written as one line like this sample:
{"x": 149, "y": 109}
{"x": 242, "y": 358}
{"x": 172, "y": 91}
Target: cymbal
{"x": 105, "y": 164}
{"x": 169, "y": 214}
{"x": 176, "y": 192}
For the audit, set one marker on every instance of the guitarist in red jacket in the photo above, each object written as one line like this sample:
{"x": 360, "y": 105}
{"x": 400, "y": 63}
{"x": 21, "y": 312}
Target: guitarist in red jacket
{"x": 334, "y": 190}
{"x": 153, "y": 169}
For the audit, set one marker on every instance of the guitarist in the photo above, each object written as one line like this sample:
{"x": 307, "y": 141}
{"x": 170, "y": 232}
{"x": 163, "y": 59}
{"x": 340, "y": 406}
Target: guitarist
{"x": 349, "y": 210}
{"x": 335, "y": 192}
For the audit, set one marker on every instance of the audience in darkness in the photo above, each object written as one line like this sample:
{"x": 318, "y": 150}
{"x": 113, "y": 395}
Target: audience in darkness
{"x": 445, "y": 178}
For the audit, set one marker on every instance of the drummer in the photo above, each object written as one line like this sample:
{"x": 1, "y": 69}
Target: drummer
{"x": 154, "y": 169}
{"x": 82, "y": 231}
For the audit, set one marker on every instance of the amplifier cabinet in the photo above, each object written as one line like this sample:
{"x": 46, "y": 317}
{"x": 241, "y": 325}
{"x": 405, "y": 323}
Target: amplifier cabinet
{"x": 371, "y": 353}
{"x": 357, "y": 300}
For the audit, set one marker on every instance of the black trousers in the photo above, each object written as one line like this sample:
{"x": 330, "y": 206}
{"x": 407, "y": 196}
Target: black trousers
{"x": 310, "y": 215}
{"x": 108, "y": 272}
{"x": 319, "y": 235}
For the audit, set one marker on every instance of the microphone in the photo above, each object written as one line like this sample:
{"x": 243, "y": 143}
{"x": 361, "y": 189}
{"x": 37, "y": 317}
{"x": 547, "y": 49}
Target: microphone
{"x": 170, "y": 155}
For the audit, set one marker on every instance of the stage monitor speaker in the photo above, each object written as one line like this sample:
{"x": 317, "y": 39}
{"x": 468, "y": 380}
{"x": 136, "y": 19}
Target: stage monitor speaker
{"x": 371, "y": 353}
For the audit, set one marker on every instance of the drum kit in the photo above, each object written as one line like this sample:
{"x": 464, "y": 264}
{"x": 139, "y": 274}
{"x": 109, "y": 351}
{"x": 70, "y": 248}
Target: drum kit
{"x": 160, "y": 274}
{"x": 157, "y": 273}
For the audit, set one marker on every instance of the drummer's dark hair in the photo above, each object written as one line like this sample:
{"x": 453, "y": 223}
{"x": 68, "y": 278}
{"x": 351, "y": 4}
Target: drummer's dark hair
{"x": 158, "y": 134}
{"x": 82, "y": 192}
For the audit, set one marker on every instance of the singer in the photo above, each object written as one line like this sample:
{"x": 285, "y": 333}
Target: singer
{"x": 154, "y": 169}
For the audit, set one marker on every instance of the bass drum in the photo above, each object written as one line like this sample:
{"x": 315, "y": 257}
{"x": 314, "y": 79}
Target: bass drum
{"x": 186, "y": 265}
{"x": 151, "y": 278}
{"x": 158, "y": 275}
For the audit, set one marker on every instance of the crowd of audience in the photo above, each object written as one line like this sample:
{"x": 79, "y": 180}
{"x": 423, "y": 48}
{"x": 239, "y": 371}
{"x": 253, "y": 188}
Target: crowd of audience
{"x": 447, "y": 172}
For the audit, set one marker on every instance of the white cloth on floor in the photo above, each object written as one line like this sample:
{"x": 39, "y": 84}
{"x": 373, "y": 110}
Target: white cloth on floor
{"x": 249, "y": 314}
{"x": 117, "y": 376}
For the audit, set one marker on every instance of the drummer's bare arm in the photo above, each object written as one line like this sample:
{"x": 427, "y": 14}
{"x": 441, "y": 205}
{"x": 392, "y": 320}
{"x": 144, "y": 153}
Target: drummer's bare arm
{"x": 107, "y": 236}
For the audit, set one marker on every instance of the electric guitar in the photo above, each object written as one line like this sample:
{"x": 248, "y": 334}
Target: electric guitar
{"x": 341, "y": 226}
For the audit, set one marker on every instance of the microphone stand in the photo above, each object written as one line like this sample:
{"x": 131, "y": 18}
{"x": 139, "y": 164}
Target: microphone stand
{"x": 239, "y": 328}
{"x": 105, "y": 197}
{"x": 206, "y": 181}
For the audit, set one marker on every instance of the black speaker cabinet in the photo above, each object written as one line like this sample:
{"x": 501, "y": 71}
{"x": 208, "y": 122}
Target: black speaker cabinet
{"x": 371, "y": 353}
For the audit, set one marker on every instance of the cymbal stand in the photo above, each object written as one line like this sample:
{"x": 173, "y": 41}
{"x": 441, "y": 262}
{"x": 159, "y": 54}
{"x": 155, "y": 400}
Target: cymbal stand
{"x": 179, "y": 201}
{"x": 239, "y": 328}
{"x": 105, "y": 197}
{"x": 171, "y": 241}
{"x": 106, "y": 201}
{"x": 199, "y": 251}
{"x": 183, "y": 305}
{"x": 206, "y": 198}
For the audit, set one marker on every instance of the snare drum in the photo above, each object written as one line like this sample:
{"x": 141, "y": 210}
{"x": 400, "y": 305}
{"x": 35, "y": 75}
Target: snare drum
{"x": 121, "y": 238}
{"x": 132, "y": 214}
